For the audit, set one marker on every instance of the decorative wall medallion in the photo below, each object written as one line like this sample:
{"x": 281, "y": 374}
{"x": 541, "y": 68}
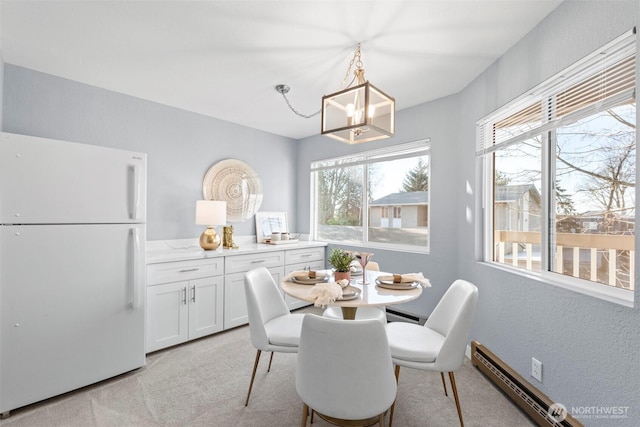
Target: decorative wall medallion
{"x": 238, "y": 184}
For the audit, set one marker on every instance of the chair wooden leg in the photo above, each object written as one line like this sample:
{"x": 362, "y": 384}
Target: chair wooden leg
{"x": 270, "y": 360}
{"x": 312, "y": 412}
{"x": 305, "y": 413}
{"x": 393, "y": 405}
{"x": 455, "y": 395}
{"x": 381, "y": 419}
{"x": 444, "y": 384}
{"x": 253, "y": 376}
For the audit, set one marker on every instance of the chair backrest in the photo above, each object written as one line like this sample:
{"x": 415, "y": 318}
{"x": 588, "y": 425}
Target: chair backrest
{"x": 264, "y": 302}
{"x": 344, "y": 368}
{"x": 373, "y": 266}
{"x": 452, "y": 318}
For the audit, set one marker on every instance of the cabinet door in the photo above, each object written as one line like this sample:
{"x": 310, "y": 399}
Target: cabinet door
{"x": 167, "y": 315}
{"x": 205, "y": 306}
{"x": 235, "y": 302}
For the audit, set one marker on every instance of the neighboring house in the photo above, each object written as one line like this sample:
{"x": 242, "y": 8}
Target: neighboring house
{"x": 517, "y": 207}
{"x": 400, "y": 210}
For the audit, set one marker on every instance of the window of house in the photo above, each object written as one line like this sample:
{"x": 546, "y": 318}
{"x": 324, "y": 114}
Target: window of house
{"x": 559, "y": 176}
{"x": 377, "y": 198}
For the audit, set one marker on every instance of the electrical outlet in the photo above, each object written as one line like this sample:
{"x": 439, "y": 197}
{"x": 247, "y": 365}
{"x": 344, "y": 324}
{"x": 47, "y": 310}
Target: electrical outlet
{"x": 536, "y": 369}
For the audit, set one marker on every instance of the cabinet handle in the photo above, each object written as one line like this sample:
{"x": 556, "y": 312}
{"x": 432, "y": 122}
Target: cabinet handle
{"x": 186, "y": 270}
{"x": 193, "y": 293}
{"x": 184, "y": 295}
{"x": 258, "y": 261}
{"x": 305, "y": 256}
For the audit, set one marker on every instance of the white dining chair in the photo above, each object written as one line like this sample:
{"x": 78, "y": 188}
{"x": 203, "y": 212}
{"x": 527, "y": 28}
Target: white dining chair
{"x": 362, "y": 313}
{"x": 271, "y": 325}
{"x": 347, "y": 384}
{"x": 440, "y": 344}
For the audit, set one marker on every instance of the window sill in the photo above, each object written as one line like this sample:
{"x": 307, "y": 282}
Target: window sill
{"x": 383, "y": 247}
{"x": 606, "y": 293}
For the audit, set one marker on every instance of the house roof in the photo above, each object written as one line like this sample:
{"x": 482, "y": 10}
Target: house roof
{"x": 511, "y": 193}
{"x": 403, "y": 198}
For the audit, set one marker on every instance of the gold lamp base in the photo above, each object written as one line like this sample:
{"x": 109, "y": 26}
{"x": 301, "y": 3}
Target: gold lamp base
{"x": 209, "y": 239}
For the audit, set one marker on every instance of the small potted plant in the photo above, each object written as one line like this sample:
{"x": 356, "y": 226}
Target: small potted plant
{"x": 341, "y": 261}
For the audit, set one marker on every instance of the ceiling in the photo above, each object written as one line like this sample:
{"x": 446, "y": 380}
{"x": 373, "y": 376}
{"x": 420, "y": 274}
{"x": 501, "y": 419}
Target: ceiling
{"x": 224, "y": 58}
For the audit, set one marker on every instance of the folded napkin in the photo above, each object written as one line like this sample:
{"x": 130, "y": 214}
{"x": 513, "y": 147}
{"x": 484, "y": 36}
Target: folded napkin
{"x": 355, "y": 268}
{"x": 326, "y": 293}
{"x": 408, "y": 278}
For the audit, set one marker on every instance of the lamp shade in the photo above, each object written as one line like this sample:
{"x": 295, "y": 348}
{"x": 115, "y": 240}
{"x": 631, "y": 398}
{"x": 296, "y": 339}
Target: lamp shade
{"x": 211, "y": 212}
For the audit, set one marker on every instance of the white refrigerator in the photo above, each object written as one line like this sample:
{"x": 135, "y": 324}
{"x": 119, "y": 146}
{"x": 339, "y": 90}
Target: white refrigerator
{"x": 72, "y": 267}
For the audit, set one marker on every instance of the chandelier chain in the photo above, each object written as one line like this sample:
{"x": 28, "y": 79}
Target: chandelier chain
{"x": 306, "y": 116}
{"x": 357, "y": 60}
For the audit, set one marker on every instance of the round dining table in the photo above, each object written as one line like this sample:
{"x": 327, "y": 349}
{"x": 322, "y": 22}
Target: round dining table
{"x": 372, "y": 295}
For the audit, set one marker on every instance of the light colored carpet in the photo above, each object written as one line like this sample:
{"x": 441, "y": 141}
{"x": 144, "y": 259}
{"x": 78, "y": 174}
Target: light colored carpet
{"x": 204, "y": 383}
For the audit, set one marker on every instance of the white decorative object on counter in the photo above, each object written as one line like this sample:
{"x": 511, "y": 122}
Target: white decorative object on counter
{"x": 270, "y": 224}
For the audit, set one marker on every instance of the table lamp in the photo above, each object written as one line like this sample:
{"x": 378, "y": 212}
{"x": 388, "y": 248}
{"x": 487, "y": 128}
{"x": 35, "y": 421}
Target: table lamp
{"x": 210, "y": 213}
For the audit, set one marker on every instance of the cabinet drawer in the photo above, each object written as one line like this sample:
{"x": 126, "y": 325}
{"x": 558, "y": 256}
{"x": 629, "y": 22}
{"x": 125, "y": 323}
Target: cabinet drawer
{"x": 241, "y": 263}
{"x": 184, "y": 270}
{"x": 296, "y": 256}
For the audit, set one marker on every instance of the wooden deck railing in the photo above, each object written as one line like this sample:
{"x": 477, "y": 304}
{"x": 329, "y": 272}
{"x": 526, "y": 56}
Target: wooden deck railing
{"x": 621, "y": 265}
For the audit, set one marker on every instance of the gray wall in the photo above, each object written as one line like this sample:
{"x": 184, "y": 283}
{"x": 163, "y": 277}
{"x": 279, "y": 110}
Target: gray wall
{"x": 181, "y": 146}
{"x": 589, "y": 348}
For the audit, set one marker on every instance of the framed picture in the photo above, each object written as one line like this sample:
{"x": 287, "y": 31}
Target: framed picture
{"x": 270, "y": 222}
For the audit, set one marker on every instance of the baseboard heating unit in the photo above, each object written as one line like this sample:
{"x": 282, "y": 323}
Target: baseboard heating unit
{"x": 521, "y": 392}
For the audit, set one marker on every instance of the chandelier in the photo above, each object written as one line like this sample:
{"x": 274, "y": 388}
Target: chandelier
{"x": 359, "y": 113}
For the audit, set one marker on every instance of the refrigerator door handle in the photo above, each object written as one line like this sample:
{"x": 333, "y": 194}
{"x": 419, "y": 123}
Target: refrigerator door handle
{"x": 134, "y": 171}
{"x": 136, "y": 280}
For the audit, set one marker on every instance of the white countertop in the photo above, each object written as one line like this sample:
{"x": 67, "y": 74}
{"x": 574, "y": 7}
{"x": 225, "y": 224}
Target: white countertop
{"x": 159, "y": 251}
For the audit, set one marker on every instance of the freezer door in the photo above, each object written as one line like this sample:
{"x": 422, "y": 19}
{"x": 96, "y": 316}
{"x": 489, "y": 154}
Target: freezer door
{"x": 44, "y": 181}
{"x": 71, "y": 307}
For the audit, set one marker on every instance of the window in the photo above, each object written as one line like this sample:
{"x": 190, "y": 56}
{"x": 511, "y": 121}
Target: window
{"x": 376, "y": 198}
{"x": 559, "y": 176}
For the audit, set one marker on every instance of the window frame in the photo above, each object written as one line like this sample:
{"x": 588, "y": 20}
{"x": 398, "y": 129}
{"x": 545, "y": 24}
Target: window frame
{"x": 485, "y": 150}
{"x": 421, "y": 147}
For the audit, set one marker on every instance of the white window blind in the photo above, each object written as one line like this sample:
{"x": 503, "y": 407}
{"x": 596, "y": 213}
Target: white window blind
{"x": 601, "y": 80}
{"x": 394, "y": 152}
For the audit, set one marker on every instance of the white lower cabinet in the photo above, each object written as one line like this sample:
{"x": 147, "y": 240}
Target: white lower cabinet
{"x": 192, "y": 298}
{"x": 183, "y": 310}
